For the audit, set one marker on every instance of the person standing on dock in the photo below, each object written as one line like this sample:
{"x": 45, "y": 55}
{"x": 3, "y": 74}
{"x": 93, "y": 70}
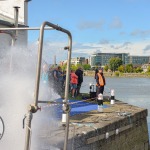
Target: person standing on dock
{"x": 96, "y": 71}
{"x": 100, "y": 80}
{"x": 74, "y": 82}
{"x": 57, "y": 80}
{"x": 79, "y": 73}
{"x": 44, "y": 75}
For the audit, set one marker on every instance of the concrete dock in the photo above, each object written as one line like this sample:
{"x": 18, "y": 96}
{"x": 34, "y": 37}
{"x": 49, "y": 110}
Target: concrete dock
{"x": 119, "y": 127}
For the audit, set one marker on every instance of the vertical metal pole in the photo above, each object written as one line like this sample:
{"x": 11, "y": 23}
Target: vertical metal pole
{"x": 16, "y": 14}
{"x": 67, "y": 91}
{"x": 28, "y": 131}
{"x": 54, "y": 60}
{"x": 37, "y": 83}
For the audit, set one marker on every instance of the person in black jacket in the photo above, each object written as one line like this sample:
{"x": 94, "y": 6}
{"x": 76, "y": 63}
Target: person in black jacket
{"x": 96, "y": 71}
{"x": 79, "y": 73}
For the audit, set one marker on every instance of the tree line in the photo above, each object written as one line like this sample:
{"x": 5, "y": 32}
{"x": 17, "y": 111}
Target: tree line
{"x": 115, "y": 64}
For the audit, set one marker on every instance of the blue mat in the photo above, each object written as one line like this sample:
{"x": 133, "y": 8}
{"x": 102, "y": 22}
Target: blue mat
{"x": 77, "y": 107}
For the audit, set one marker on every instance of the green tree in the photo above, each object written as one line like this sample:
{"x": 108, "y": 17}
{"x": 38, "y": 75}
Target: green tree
{"x": 114, "y": 63}
{"x": 129, "y": 68}
{"x": 78, "y": 65}
{"x": 86, "y": 66}
{"x": 121, "y": 68}
{"x": 138, "y": 70}
{"x": 106, "y": 68}
{"x": 148, "y": 69}
{"x": 64, "y": 67}
{"x": 74, "y": 67}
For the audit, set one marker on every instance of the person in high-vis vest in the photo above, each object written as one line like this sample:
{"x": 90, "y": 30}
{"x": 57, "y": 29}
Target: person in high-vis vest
{"x": 100, "y": 82}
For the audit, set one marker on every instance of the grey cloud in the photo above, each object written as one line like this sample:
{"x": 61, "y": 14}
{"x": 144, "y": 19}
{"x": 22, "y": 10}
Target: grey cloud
{"x": 103, "y": 41}
{"x": 81, "y": 46}
{"x": 147, "y": 48}
{"x": 80, "y": 55}
{"x": 90, "y": 25}
{"x": 122, "y": 33}
{"x": 124, "y": 45}
{"x": 141, "y": 33}
{"x": 116, "y": 23}
{"x": 112, "y": 46}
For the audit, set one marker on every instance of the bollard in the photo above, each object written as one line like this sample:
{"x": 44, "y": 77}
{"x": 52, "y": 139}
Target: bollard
{"x": 66, "y": 109}
{"x": 100, "y": 103}
{"x": 112, "y": 100}
{"x": 63, "y": 116}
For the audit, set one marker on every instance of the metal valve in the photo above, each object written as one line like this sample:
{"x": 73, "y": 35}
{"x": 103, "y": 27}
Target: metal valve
{"x": 66, "y": 108}
{"x": 33, "y": 108}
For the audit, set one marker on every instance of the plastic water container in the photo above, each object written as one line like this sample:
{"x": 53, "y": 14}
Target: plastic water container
{"x": 112, "y": 101}
{"x": 100, "y": 108}
{"x": 64, "y": 118}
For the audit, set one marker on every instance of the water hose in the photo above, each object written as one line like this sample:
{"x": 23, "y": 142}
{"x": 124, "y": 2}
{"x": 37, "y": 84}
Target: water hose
{"x": 1, "y": 134}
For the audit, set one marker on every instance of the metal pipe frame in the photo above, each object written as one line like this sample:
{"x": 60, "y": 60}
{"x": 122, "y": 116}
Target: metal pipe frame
{"x": 67, "y": 75}
{"x": 25, "y": 28}
{"x": 69, "y": 47}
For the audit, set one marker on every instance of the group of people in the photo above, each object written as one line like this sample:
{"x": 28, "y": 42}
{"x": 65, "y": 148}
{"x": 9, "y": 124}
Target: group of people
{"x": 56, "y": 78}
{"x": 76, "y": 79}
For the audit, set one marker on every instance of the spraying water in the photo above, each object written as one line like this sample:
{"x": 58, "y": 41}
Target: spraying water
{"x": 16, "y": 92}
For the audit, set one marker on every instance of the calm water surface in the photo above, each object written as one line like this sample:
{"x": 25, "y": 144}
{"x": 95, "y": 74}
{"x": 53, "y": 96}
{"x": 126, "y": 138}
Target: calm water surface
{"x": 135, "y": 91}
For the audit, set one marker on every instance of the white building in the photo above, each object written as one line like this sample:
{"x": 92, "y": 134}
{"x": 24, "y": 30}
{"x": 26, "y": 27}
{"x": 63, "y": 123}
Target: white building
{"x": 145, "y": 67}
{"x": 78, "y": 60}
{"x": 7, "y": 20}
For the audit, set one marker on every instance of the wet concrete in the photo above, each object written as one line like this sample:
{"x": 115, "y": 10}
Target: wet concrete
{"x": 93, "y": 129}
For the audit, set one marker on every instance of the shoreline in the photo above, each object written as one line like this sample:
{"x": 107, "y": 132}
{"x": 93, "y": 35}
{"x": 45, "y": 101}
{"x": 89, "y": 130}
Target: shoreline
{"x": 118, "y": 74}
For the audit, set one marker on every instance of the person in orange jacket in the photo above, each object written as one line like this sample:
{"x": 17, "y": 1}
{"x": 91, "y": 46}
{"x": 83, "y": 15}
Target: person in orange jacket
{"x": 74, "y": 82}
{"x": 100, "y": 80}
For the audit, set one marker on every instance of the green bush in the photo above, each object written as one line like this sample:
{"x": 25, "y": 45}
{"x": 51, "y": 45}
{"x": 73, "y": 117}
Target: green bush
{"x": 117, "y": 74}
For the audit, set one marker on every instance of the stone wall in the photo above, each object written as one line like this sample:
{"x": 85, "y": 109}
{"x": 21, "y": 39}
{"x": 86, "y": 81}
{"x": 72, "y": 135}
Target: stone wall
{"x": 123, "y": 133}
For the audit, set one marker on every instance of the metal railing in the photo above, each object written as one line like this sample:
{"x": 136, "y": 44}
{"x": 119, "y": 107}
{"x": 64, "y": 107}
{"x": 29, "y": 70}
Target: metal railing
{"x": 34, "y": 107}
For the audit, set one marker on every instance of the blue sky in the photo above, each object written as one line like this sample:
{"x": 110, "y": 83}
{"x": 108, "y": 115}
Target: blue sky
{"x": 97, "y": 25}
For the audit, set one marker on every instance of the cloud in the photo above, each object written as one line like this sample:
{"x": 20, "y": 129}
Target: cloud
{"x": 147, "y": 47}
{"x": 86, "y": 49}
{"x": 104, "y": 41}
{"x": 81, "y": 46}
{"x": 122, "y": 33}
{"x": 116, "y": 23}
{"x": 90, "y": 25}
{"x": 141, "y": 33}
{"x": 139, "y": 48}
{"x": 77, "y": 46}
{"x": 125, "y": 45}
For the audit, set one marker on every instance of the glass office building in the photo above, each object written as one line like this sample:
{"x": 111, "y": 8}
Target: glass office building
{"x": 102, "y": 59}
{"x": 139, "y": 60}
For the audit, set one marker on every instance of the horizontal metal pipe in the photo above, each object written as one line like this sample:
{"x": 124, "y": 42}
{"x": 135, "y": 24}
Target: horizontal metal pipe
{"x": 25, "y": 28}
{"x": 50, "y": 102}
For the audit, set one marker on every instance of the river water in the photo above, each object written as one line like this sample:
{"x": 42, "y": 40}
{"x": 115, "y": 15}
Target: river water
{"x": 135, "y": 91}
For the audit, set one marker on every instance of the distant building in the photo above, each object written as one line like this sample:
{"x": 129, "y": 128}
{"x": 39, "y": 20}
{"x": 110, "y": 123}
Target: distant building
{"x": 61, "y": 63}
{"x": 75, "y": 61}
{"x": 102, "y": 59}
{"x": 145, "y": 67}
{"x": 79, "y": 60}
{"x": 139, "y": 60}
